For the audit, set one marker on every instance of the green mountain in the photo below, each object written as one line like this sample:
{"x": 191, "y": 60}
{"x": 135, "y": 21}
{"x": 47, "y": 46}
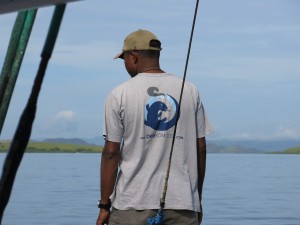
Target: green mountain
{"x": 76, "y": 141}
{"x": 295, "y": 150}
{"x": 52, "y": 147}
{"x": 215, "y": 148}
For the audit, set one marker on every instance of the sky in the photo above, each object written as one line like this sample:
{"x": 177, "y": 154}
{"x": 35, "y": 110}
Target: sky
{"x": 245, "y": 61}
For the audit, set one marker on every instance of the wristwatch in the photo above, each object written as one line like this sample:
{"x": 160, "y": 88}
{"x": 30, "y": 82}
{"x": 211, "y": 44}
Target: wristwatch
{"x": 106, "y": 206}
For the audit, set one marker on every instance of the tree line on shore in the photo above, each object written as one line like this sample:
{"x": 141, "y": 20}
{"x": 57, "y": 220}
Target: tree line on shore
{"x": 52, "y": 147}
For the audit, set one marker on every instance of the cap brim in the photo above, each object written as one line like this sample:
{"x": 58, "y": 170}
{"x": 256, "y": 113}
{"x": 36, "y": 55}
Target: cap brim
{"x": 119, "y": 56}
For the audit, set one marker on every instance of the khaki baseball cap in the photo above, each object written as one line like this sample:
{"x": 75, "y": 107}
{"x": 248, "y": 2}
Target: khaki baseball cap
{"x": 140, "y": 40}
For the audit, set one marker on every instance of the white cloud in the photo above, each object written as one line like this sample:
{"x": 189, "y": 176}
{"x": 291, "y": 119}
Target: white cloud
{"x": 62, "y": 124}
{"x": 65, "y": 116}
{"x": 281, "y": 133}
{"x": 288, "y": 133}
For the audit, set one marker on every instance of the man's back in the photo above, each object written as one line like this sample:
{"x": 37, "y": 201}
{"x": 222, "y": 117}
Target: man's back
{"x": 143, "y": 111}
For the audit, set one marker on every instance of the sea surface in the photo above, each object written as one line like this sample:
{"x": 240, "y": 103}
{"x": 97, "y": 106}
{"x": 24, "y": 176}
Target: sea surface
{"x": 239, "y": 189}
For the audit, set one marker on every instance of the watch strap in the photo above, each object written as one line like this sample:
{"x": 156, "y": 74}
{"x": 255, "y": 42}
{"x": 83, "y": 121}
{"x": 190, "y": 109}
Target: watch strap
{"x": 106, "y": 206}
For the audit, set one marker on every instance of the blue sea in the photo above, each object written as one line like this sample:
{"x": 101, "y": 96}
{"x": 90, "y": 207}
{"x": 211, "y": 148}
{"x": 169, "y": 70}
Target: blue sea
{"x": 239, "y": 189}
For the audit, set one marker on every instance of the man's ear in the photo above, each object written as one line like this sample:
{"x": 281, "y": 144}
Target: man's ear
{"x": 135, "y": 57}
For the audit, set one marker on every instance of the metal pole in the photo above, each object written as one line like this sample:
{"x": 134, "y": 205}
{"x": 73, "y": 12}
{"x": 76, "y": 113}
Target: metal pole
{"x": 11, "y": 52}
{"x": 13, "y": 64}
{"x": 22, "y": 135}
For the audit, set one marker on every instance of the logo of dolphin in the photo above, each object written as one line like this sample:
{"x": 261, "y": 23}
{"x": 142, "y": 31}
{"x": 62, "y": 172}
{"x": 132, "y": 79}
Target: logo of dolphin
{"x": 161, "y": 111}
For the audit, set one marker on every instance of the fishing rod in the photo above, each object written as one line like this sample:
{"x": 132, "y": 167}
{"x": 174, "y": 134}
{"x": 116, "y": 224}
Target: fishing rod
{"x": 158, "y": 219}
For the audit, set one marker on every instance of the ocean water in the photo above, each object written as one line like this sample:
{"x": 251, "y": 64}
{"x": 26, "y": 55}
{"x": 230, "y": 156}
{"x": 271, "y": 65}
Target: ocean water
{"x": 239, "y": 189}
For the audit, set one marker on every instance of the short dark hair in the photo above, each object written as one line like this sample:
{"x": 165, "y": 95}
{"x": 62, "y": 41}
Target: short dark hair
{"x": 149, "y": 53}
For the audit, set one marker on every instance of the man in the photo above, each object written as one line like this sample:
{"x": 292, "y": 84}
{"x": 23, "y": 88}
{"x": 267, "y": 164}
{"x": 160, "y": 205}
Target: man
{"x": 141, "y": 114}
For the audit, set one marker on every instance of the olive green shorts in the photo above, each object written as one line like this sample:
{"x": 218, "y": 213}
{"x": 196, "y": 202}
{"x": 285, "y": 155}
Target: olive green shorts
{"x": 140, "y": 217}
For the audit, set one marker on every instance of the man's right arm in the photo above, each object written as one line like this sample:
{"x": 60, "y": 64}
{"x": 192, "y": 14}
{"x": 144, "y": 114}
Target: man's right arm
{"x": 109, "y": 170}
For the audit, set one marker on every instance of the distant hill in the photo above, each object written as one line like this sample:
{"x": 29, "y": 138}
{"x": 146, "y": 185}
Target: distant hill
{"x": 212, "y": 147}
{"x": 99, "y": 140}
{"x": 265, "y": 146}
{"x": 215, "y": 148}
{"x": 295, "y": 150}
{"x": 54, "y": 147}
{"x": 75, "y": 141}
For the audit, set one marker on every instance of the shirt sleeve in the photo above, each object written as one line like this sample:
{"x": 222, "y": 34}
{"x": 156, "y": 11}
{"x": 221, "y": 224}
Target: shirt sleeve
{"x": 204, "y": 126}
{"x": 113, "y": 123}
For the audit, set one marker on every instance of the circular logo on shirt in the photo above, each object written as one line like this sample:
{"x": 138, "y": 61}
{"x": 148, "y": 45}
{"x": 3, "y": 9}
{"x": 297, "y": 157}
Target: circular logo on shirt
{"x": 161, "y": 111}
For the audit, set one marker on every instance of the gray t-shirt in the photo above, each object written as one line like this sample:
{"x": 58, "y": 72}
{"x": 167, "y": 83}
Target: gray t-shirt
{"x": 142, "y": 113}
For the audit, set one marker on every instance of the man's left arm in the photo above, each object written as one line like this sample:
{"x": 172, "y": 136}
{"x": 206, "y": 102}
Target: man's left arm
{"x": 201, "y": 152}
